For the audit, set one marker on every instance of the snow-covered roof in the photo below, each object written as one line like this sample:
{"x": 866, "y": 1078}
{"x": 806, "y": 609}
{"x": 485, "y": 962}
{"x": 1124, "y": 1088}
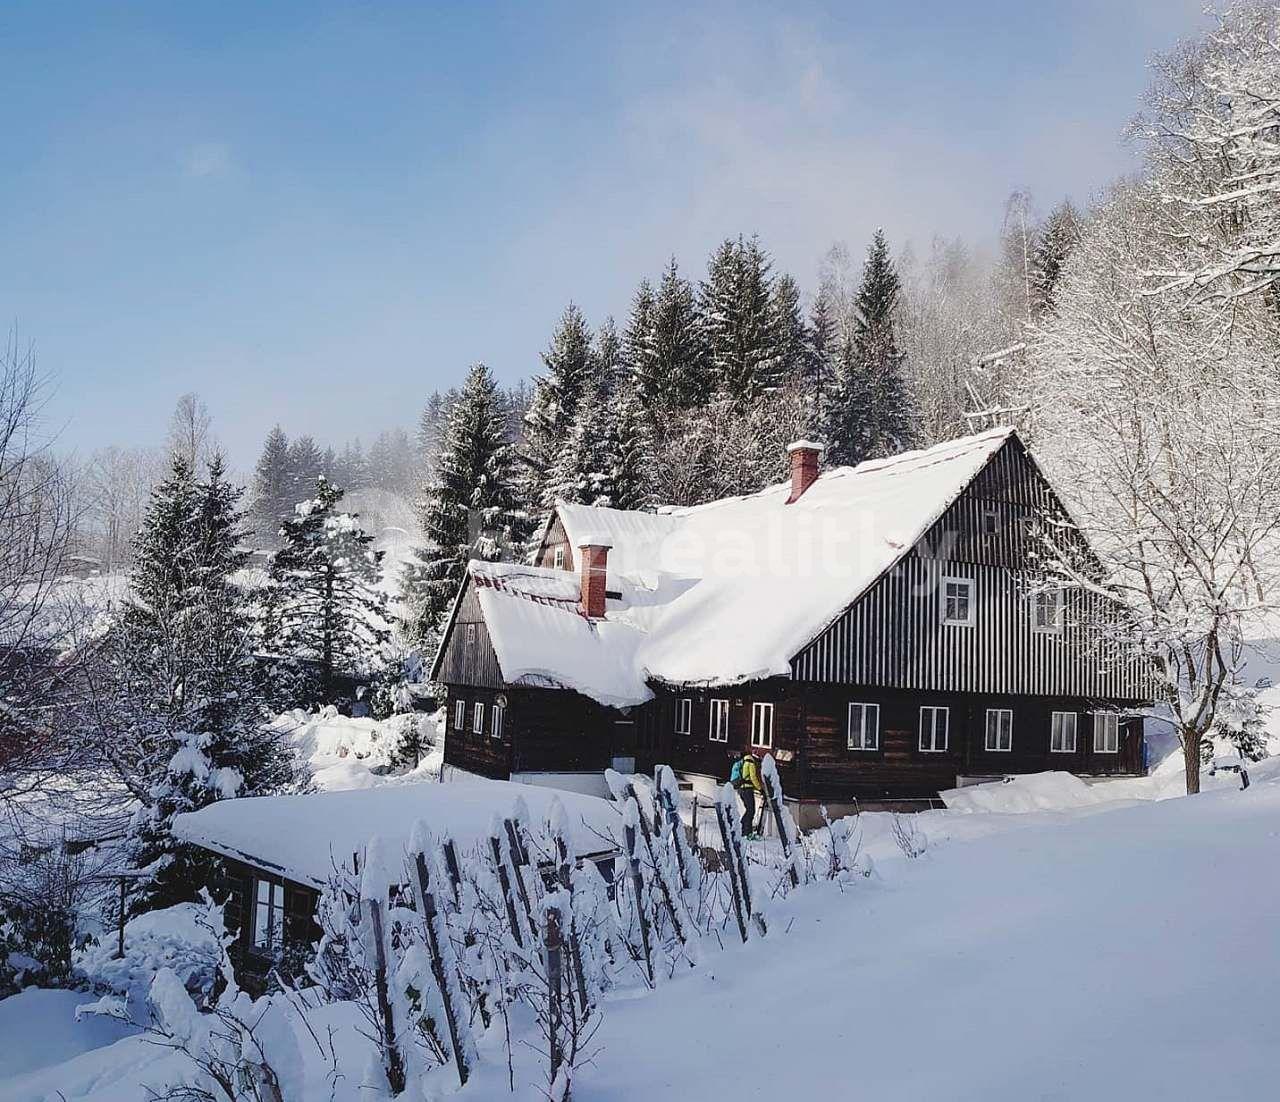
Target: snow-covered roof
{"x": 726, "y": 592}
{"x": 304, "y": 837}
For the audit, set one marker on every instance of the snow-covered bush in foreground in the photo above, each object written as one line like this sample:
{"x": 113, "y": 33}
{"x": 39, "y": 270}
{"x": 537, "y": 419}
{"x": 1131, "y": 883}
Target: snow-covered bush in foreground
{"x": 184, "y": 940}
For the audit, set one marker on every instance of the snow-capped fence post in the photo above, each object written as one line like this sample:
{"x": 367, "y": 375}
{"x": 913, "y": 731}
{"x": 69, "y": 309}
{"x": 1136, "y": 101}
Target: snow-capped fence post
{"x": 731, "y": 865}
{"x": 444, "y": 981}
{"x": 664, "y": 783}
{"x": 678, "y": 924}
{"x": 773, "y": 797}
{"x": 394, "y": 1061}
{"x": 637, "y": 887}
{"x": 455, "y": 872}
{"x": 519, "y": 862}
{"x": 504, "y": 882}
{"x": 554, "y": 949}
{"x": 564, "y": 875}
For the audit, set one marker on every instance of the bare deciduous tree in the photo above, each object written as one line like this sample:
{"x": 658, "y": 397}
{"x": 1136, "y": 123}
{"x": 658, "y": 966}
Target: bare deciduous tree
{"x": 189, "y": 431}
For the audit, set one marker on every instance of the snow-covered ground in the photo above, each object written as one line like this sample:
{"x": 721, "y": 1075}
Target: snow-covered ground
{"x": 1104, "y": 950}
{"x": 342, "y": 752}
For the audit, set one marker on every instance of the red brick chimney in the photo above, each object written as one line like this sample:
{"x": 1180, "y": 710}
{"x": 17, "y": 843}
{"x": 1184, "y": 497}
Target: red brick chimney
{"x": 805, "y": 455}
{"x": 594, "y": 557}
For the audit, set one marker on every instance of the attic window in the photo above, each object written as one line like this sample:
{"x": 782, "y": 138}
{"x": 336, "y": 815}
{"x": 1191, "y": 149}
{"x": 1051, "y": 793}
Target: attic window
{"x": 1046, "y": 611}
{"x": 990, "y": 522}
{"x": 557, "y": 558}
{"x": 471, "y": 635}
{"x": 957, "y": 601}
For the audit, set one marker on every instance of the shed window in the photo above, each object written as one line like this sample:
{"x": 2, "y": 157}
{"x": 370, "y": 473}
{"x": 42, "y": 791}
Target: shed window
{"x": 1046, "y": 614}
{"x": 268, "y": 914}
{"x": 957, "y": 601}
{"x": 558, "y": 558}
{"x": 496, "y": 720}
{"x": 999, "y": 729}
{"x": 864, "y": 726}
{"x": 684, "y": 714}
{"x": 1106, "y": 733}
{"x": 719, "y": 721}
{"x": 477, "y": 719}
{"x": 762, "y": 725}
{"x": 459, "y": 715}
{"x": 933, "y": 729}
{"x": 1062, "y": 733}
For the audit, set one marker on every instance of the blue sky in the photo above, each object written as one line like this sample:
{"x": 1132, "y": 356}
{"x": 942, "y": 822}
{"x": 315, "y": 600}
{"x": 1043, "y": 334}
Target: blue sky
{"x": 316, "y": 214}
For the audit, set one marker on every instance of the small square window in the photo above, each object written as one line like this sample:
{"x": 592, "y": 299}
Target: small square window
{"x": 864, "y": 726}
{"x": 1046, "y": 611}
{"x": 497, "y": 719}
{"x": 477, "y": 720}
{"x": 1062, "y": 733}
{"x": 684, "y": 715}
{"x": 459, "y": 715}
{"x": 957, "y": 601}
{"x": 719, "y": 721}
{"x": 999, "y": 730}
{"x": 1106, "y": 733}
{"x": 933, "y": 729}
{"x": 762, "y": 725}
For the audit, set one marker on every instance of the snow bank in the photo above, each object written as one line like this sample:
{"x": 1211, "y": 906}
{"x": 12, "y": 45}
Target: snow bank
{"x": 38, "y": 1029}
{"x": 342, "y": 752}
{"x": 1052, "y": 791}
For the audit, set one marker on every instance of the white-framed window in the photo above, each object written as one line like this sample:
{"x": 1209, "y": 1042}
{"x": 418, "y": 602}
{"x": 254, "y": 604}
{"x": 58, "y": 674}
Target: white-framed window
{"x": 933, "y": 728}
{"x": 762, "y": 725}
{"x": 864, "y": 726}
{"x": 558, "y": 558}
{"x": 1062, "y": 733}
{"x": 1046, "y": 611}
{"x": 268, "y": 914}
{"x": 471, "y": 635}
{"x": 1106, "y": 733}
{"x": 999, "y": 729}
{"x": 459, "y": 715}
{"x": 684, "y": 715}
{"x": 477, "y": 719}
{"x": 957, "y": 601}
{"x": 497, "y": 718}
{"x": 719, "y": 727}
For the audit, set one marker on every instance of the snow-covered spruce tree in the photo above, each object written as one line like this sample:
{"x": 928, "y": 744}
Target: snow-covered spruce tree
{"x": 871, "y": 412}
{"x": 325, "y": 607}
{"x": 673, "y": 369}
{"x": 1160, "y": 418}
{"x": 306, "y": 464}
{"x": 1057, "y": 237}
{"x": 737, "y": 318}
{"x": 468, "y": 511}
{"x": 570, "y": 374}
{"x": 609, "y": 456}
{"x": 175, "y": 706}
{"x": 790, "y": 333}
{"x": 610, "y": 363}
{"x": 272, "y": 486}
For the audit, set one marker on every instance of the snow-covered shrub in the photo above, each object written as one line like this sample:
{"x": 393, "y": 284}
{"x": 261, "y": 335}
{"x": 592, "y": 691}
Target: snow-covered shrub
{"x": 909, "y": 838}
{"x": 40, "y": 903}
{"x": 185, "y": 940}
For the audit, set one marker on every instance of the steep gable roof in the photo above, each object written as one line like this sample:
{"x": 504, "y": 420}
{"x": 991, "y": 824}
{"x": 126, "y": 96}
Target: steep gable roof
{"x": 726, "y": 592}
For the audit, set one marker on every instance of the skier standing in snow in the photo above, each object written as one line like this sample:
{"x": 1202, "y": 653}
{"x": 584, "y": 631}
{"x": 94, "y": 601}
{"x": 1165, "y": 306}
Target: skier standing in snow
{"x": 745, "y": 777}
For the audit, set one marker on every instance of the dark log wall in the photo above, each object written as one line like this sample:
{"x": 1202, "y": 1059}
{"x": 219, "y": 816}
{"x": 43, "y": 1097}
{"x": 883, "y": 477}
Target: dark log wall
{"x": 543, "y": 730}
{"x": 893, "y": 636}
{"x": 811, "y": 740}
{"x": 469, "y": 657}
{"x": 234, "y": 885}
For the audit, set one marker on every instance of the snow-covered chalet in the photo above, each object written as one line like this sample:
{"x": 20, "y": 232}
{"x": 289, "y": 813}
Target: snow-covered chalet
{"x": 880, "y": 629}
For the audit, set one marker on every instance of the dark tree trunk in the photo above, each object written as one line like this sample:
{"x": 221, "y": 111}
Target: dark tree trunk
{"x": 1191, "y": 758}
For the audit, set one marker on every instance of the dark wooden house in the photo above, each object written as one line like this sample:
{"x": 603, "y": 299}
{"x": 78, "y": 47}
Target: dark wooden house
{"x": 882, "y": 630}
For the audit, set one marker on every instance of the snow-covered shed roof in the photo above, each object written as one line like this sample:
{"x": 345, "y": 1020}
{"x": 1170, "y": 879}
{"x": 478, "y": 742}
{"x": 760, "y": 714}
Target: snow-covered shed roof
{"x": 305, "y": 837}
{"x": 726, "y": 592}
